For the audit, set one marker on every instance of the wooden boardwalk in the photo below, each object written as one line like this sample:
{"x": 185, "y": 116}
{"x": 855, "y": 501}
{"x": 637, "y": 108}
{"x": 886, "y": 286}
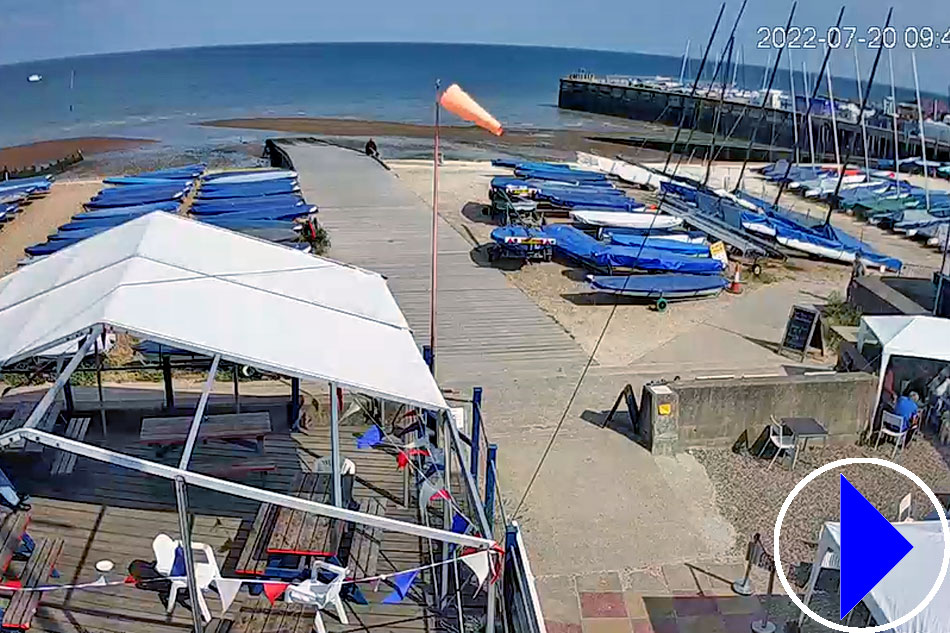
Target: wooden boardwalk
{"x": 488, "y": 330}
{"x": 106, "y": 512}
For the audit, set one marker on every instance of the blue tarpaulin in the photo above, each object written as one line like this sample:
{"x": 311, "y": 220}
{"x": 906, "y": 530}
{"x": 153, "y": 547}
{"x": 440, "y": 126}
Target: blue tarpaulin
{"x": 578, "y": 245}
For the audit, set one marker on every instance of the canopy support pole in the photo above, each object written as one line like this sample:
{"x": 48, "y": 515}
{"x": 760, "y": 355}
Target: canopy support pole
{"x": 294, "y": 403}
{"x": 167, "y": 380}
{"x": 181, "y": 497}
{"x": 335, "y": 445}
{"x": 237, "y": 390}
{"x": 237, "y": 489}
{"x": 47, "y": 400}
{"x": 199, "y": 414}
{"x": 102, "y": 406}
{"x": 446, "y": 505}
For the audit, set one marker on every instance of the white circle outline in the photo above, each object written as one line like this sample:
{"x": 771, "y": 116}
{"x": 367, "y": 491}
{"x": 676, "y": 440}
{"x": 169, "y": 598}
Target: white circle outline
{"x": 943, "y": 525}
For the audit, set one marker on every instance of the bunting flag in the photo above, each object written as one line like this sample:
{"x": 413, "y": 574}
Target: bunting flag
{"x": 371, "y": 438}
{"x": 419, "y": 442}
{"x": 99, "y": 582}
{"x": 456, "y": 101}
{"x": 273, "y": 590}
{"x": 228, "y": 589}
{"x": 459, "y": 524}
{"x": 481, "y": 566}
{"x": 402, "y": 459}
{"x": 432, "y": 489}
{"x": 403, "y": 583}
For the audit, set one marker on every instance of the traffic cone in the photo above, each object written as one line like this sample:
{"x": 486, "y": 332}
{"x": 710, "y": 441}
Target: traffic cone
{"x": 735, "y": 287}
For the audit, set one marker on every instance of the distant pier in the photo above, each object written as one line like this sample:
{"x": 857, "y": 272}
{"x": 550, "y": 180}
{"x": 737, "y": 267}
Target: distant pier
{"x": 737, "y": 120}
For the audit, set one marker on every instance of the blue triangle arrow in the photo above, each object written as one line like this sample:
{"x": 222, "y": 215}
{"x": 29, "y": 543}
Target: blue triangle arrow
{"x": 870, "y": 547}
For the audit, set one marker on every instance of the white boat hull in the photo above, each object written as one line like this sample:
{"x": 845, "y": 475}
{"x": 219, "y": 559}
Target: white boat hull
{"x": 624, "y": 220}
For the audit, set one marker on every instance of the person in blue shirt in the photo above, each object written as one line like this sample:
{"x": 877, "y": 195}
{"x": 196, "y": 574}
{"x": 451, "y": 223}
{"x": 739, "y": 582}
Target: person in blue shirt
{"x": 907, "y": 407}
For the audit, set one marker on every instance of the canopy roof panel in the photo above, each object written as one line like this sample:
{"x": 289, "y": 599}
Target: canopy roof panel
{"x": 920, "y": 336}
{"x": 196, "y": 286}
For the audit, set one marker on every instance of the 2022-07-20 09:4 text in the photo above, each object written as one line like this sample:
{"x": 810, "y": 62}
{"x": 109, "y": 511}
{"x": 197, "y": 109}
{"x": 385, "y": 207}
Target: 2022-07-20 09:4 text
{"x": 873, "y": 37}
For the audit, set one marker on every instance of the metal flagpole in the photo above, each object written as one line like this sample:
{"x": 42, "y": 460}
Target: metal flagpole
{"x": 808, "y": 119}
{"x": 435, "y": 227}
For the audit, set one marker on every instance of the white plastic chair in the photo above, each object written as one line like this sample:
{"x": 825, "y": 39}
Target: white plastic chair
{"x": 320, "y": 594}
{"x": 781, "y": 441}
{"x": 892, "y": 425}
{"x": 206, "y": 569}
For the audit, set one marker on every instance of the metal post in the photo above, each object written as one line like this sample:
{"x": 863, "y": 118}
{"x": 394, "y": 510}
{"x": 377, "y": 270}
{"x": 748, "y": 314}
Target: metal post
{"x": 476, "y": 430}
{"x": 763, "y": 625}
{"x": 237, "y": 392}
{"x": 294, "y": 401}
{"x": 167, "y": 379}
{"x": 199, "y": 414}
{"x": 181, "y": 496}
{"x": 102, "y": 406}
{"x": 490, "y": 485}
{"x": 446, "y": 506}
{"x": 335, "y": 446}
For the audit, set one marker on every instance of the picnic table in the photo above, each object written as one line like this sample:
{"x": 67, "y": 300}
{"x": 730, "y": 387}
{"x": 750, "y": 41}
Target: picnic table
{"x": 40, "y": 564}
{"x": 238, "y": 428}
{"x": 20, "y": 415}
{"x": 278, "y": 531}
{"x": 804, "y": 429}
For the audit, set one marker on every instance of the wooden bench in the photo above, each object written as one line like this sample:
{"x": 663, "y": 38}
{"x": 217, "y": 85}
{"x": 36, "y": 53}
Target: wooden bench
{"x": 305, "y": 533}
{"x": 23, "y": 604}
{"x": 22, "y": 413}
{"x": 11, "y": 534}
{"x": 226, "y": 427}
{"x": 363, "y": 556}
{"x": 63, "y": 462}
{"x": 217, "y": 468}
{"x": 19, "y": 416}
{"x": 253, "y": 558}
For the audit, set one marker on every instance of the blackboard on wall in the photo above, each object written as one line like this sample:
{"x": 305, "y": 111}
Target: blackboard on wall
{"x": 803, "y": 330}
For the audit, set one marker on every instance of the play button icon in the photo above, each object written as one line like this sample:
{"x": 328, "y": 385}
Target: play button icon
{"x": 870, "y": 547}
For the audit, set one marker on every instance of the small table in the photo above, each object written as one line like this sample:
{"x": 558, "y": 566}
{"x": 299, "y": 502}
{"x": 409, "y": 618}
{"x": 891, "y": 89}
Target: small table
{"x": 227, "y": 427}
{"x": 804, "y": 429}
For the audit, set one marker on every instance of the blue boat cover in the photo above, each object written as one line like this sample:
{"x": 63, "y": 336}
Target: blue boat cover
{"x": 136, "y": 180}
{"x": 274, "y": 186}
{"x": 137, "y": 209}
{"x": 507, "y": 234}
{"x": 108, "y": 221}
{"x": 127, "y": 201}
{"x": 185, "y": 172}
{"x": 658, "y": 243}
{"x": 658, "y": 285}
{"x": 242, "y": 172}
{"x": 239, "y": 223}
{"x": 254, "y": 204}
{"x": 578, "y": 245}
{"x": 686, "y": 193}
{"x": 272, "y": 213}
{"x": 231, "y": 192}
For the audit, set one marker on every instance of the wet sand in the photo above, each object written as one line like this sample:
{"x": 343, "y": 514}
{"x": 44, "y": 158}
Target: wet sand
{"x": 560, "y": 143}
{"x": 41, "y": 217}
{"x": 19, "y": 156}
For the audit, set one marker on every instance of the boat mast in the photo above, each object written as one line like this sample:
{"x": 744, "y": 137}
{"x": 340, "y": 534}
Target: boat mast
{"x": 762, "y": 108}
{"x": 923, "y": 138}
{"x": 765, "y": 74}
{"x": 72, "y": 80}
{"x": 864, "y": 128}
{"x": 897, "y": 158}
{"x": 722, "y": 99}
{"x": 832, "y": 203}
{"x": 808, "y": 120}
{"x": 788, "y": 166}
{"x": 685, "y": 61}
{"x": 692, "y": 92}
{"x": 834, "y": 117}
{"x": 791, "y": 83}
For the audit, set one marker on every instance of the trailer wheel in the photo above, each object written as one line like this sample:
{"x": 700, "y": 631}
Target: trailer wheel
{"x": 661, "y": 305}
{"x": 756, "y": 269}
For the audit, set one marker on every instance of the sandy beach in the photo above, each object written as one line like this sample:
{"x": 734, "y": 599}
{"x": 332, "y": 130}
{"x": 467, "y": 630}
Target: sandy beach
{"x": 20, "y": 156}
{"x": 41, "y": 217}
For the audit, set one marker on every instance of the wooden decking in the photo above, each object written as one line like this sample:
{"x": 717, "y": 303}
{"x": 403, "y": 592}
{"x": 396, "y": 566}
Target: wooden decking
{"x": 106, "y": 512}
{"x": 488, "y": 330}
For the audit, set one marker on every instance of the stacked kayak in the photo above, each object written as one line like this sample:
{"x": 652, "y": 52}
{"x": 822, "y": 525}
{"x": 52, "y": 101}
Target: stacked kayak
{"x": 263, "y": 203}
{"x": 667, "y": 286}
{"x": 128, "y": 198}
{"x": 16, "y": 194}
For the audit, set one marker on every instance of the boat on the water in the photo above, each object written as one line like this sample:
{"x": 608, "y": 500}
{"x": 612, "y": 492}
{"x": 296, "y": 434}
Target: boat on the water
{"x": 34, "y": 78}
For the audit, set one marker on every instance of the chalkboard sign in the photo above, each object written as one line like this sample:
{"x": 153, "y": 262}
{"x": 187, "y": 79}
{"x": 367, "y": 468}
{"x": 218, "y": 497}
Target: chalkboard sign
{"x": 802, "y": 330}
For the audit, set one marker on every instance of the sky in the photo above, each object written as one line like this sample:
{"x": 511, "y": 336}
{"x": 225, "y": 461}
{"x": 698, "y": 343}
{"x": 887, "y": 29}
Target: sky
{"x": 64, "y": 28}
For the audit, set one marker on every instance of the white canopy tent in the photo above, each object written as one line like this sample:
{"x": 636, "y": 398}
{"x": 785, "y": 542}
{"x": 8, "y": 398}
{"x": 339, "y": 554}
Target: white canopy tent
{"x": 914, "y": 336}
{"x": 169, "y": 279}
{"x": 905, "y": 586}
{"x": 191, "y": 285}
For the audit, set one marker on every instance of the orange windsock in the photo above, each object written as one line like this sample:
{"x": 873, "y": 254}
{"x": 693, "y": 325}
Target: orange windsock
{"x": 456, "y": 101}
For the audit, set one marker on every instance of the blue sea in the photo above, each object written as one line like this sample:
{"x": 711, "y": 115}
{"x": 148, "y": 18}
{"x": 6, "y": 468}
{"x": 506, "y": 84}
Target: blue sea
{"x": 161, "y": 94}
